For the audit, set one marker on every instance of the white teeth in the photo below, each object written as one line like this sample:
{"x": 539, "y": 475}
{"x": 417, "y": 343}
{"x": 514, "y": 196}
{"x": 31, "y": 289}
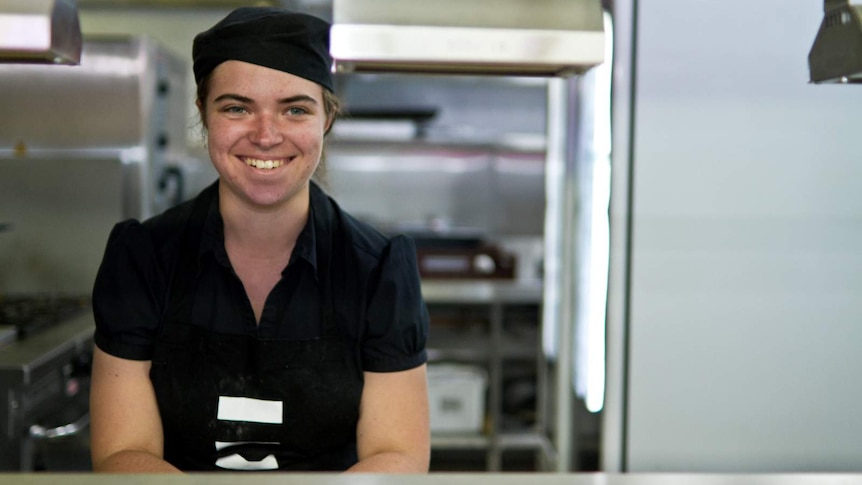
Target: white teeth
{"x": 263, "y": 164}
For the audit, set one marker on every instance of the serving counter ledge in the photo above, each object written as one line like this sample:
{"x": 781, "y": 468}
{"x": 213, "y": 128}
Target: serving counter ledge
{"x": 434, "y": 479}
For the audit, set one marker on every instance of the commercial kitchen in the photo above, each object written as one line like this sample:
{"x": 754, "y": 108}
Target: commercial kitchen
{"x": 641, "y": 257}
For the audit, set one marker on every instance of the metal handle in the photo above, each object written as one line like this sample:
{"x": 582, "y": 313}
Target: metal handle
{"x": 177, "y": 175}
{"x": 71, "y": 429}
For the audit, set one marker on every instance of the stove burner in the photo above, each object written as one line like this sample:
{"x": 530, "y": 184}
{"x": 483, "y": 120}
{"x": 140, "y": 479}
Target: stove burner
{"x": 29, "y": 314}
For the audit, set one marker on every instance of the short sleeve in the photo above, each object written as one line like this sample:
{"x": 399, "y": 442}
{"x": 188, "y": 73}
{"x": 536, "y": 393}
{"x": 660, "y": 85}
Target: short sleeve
{"x": 128, "y": 293}
{"x": 397, "y": 318}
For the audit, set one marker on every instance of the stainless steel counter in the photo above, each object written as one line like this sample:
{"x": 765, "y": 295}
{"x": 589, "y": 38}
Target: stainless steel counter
{"x": 435, "y": 479}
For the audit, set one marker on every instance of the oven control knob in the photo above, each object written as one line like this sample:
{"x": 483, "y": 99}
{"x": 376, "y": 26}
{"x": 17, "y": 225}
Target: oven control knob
{"x": 484, "y": 264}
{"x": 73, "y": 386}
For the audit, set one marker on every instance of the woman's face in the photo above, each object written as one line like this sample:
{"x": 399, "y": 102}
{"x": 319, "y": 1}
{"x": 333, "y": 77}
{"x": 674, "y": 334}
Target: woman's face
{"x": 264, "y": 132}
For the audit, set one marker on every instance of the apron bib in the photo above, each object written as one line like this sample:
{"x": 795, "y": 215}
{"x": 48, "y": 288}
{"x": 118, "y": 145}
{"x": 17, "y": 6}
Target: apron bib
{"x": 239, "y": 402}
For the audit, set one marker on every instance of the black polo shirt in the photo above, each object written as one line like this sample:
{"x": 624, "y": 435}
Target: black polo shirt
{"x": 133, "y": 284}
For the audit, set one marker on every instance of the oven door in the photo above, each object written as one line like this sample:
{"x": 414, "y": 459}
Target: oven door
{"x": 61, "y": 440}
{"x": 45, "y": 382}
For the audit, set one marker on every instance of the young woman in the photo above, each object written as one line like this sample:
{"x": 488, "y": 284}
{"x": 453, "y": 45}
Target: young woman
{"x": 259, "y": 326}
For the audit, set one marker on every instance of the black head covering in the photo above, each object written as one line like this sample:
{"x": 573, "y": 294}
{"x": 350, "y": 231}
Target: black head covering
{"x": 280, "y": 39}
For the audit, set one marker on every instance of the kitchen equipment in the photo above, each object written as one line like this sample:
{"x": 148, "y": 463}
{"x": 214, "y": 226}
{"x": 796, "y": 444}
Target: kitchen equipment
{"x": 835, "y": 56}
{"x": 125, "y": 103}
{"x": 441, "y": 257}
{"x": 45, "y": 359}
{"x": 500, "y": 37}
{"x": 456, "y": 397}
{"x": 40, "y": 31}
{"x": 384, "y": 123}
{"x": 30, "y": 314}
{"x": 447, "y": 252}
{"x": 88, "y": 146}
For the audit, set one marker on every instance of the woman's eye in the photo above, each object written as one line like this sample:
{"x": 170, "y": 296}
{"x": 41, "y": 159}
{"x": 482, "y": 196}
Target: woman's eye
{"x": 234, "y": 109}
{"x": 296, "y": 111}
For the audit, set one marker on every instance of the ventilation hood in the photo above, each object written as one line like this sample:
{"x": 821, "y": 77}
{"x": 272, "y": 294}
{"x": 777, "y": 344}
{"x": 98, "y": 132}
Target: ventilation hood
{"x": 40, "y": 31}
{"x": 836, "y": 56}
{"x": 497, "y": 37}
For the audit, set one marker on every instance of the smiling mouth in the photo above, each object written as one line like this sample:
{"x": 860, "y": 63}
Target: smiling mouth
{"x": 264, "y": 164}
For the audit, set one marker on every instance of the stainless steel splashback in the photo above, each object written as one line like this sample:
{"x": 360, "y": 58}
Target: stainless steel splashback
{"x": 490, "y": 190}
{"x": 60, "y": 214}
{"x": 477, "y": 161}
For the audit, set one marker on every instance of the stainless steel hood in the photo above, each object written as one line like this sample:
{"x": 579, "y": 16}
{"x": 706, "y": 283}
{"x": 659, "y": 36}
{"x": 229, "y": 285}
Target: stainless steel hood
{"x": 40, "y": 31}
{"x": 499, "y": 37}
{"x": 836, "y": 56}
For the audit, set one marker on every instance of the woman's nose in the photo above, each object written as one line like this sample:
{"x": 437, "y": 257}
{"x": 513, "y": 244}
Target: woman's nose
{"x": 266, "y": 132}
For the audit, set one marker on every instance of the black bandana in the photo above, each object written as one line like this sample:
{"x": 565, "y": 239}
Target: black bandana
{"x": 280, "y": 39}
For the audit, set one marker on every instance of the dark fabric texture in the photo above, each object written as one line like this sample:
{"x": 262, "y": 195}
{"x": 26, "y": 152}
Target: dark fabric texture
{"x": 209, "y": 385}
{"x": 280, "y": 39}
{"x": 379, "y": 308}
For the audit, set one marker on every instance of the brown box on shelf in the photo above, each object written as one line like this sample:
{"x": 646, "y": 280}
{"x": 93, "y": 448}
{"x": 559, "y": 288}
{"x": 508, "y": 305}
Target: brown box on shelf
{"x": 484, "y": 262}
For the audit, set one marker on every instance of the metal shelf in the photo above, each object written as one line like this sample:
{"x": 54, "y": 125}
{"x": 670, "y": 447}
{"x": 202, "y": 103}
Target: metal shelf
{"x": 463, "y": 441}
{"x": 482, "y": 291}
{"x": 510, "y": 440}
{"x": 447, "y": 343}
{"x": 526, "y": 440}
{"x": 489, "y": 337}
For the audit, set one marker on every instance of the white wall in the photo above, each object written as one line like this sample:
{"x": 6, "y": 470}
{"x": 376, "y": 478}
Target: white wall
{"x": 745, "y": 309}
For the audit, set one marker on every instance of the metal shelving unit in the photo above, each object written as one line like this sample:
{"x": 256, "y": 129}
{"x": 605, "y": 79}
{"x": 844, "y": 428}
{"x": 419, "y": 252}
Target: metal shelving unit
{"x": 492, "y": 347}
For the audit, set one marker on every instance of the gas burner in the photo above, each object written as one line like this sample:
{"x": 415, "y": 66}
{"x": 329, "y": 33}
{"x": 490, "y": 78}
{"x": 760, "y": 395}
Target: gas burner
{"x": 29, "y": 314}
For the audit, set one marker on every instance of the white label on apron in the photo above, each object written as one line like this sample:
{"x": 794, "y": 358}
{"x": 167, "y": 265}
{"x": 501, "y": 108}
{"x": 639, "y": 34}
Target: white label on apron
{"x": 250, "y": 410}
{"x": 220, "y": 445}
{"x": 236, "y": 462}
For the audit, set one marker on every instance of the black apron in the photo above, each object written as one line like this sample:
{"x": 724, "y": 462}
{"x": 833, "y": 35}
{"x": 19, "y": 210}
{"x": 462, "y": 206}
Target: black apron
{"x": 239, "y": 402}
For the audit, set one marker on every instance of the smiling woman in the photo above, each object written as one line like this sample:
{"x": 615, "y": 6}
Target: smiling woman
{"x": 265, "y": 136}
{"x": 259, "y": 326}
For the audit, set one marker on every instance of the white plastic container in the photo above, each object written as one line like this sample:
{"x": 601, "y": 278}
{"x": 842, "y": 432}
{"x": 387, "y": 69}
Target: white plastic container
{"x": 456, "y": 395}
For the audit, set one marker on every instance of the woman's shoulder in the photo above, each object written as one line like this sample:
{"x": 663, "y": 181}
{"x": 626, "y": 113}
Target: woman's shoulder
{"x": 170, "y": 224}
{"x": 151, "y": 241}
{"x": 364, "y": 236}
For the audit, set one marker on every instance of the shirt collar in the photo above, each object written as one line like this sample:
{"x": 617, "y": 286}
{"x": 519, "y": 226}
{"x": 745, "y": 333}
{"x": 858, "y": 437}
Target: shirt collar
{"x": 212, "y": 242}
{"x": 306, "y": 243}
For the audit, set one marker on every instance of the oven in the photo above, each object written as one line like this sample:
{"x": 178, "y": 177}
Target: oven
{"x": 46, "y": 348}
{"x": 92, "y": 145}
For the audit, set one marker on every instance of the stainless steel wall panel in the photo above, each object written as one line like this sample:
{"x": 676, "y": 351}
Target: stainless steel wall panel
{"x": 60, "y": 219}
{"x": 497, "y": 194}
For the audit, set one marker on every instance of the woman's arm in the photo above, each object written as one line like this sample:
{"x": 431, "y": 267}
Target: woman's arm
{"x": 393, "y": 432}
{"x": 126, "y": 429}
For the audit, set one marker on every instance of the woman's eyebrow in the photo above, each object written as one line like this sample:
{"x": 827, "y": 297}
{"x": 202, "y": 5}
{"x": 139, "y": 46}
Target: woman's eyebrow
{"x": 300, "y": 98}
{"x": 233, "y": 97}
